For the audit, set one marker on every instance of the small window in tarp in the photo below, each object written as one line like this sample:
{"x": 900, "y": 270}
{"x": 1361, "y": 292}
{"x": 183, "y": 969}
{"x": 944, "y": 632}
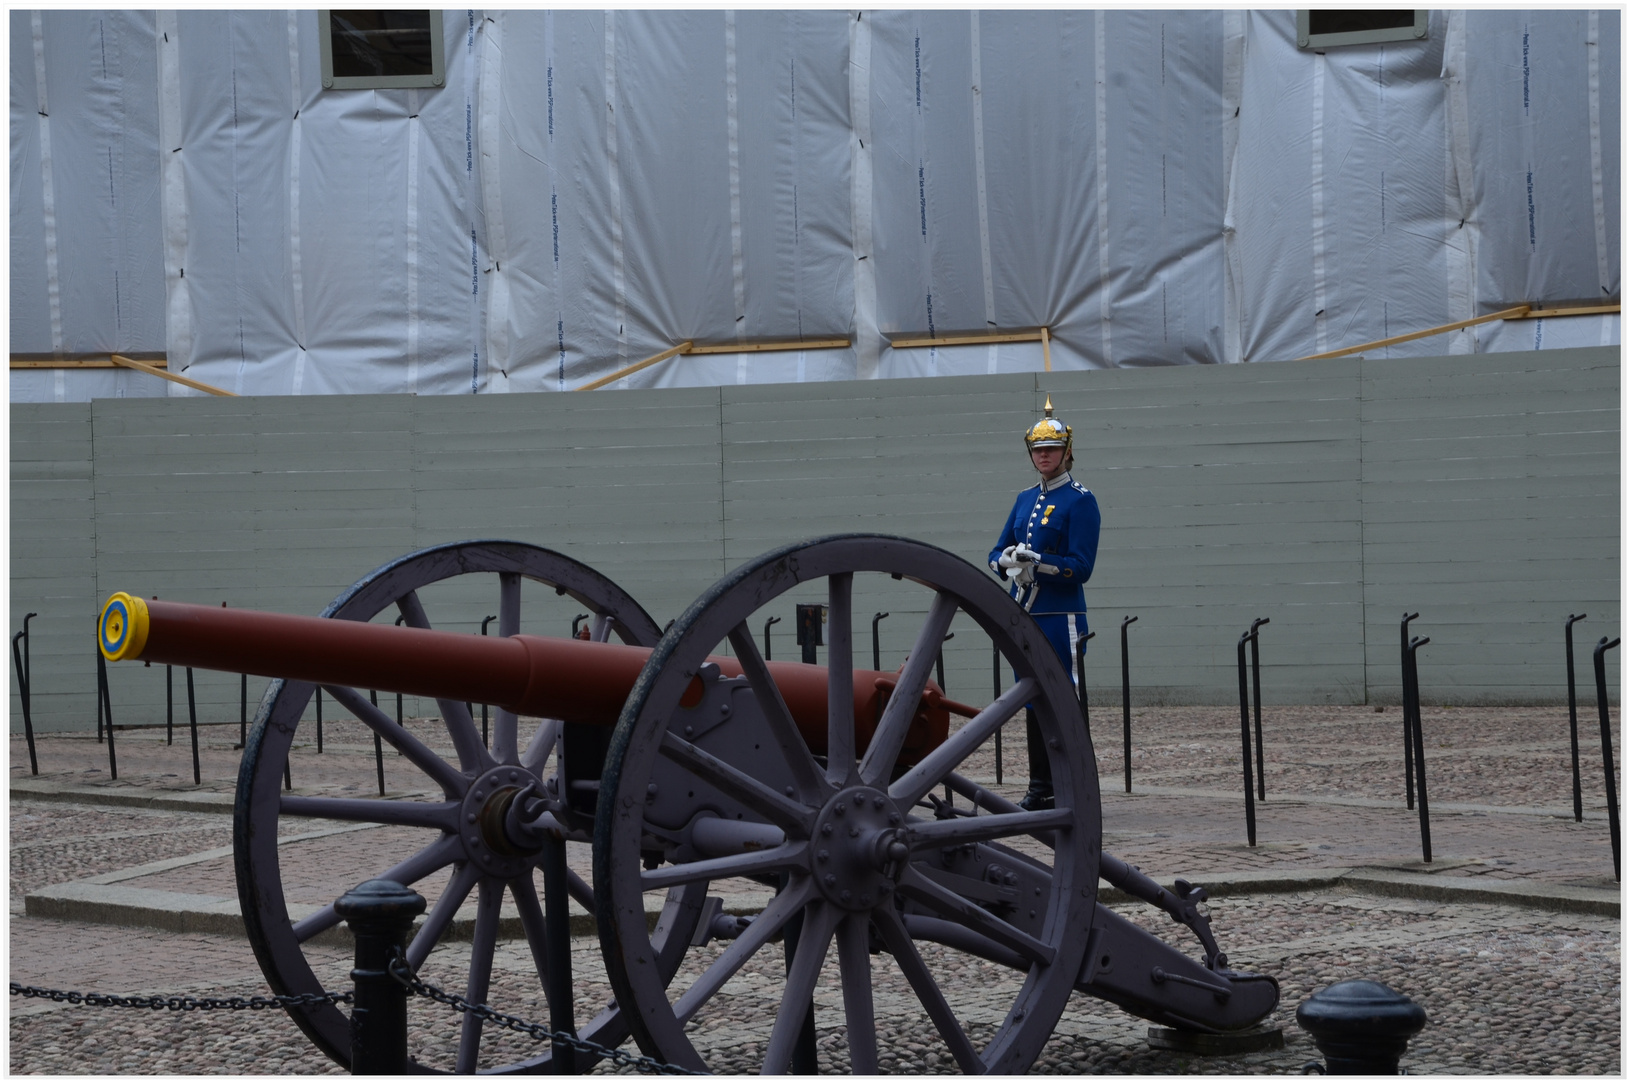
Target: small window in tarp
{"x": 1319, "y": 28}
{"x": 381, "y": 50}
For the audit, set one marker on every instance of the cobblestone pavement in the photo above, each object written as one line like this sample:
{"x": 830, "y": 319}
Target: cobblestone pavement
{"x": 1509, "y": 989}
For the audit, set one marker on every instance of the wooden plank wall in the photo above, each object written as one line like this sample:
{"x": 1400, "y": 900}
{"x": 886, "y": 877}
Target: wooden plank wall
{"x": 1328, "y": 496}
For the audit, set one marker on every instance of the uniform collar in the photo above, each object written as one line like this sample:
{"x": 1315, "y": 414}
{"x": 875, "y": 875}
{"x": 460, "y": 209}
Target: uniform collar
{"x": 1052, "y": 485}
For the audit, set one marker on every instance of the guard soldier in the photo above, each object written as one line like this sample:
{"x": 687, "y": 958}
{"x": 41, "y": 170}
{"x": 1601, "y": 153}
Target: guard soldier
{"x": 1047, "y": 551}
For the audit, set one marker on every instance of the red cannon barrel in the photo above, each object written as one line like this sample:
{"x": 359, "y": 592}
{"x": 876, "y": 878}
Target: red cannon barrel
{"x": 581, "y": 682}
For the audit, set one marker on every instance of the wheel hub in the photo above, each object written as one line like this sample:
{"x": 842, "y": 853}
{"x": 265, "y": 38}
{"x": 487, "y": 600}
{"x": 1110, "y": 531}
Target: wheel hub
{"x": 480, "y": 822}
{"x": 859, "y": 849}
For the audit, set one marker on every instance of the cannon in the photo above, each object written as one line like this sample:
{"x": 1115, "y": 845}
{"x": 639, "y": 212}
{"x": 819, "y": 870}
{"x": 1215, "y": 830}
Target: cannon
{"x": 695, "y": 768}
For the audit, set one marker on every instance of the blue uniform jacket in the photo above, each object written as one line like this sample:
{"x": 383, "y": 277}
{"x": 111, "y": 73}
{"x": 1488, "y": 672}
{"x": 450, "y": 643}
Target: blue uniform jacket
{"x": 1061, "y": 521}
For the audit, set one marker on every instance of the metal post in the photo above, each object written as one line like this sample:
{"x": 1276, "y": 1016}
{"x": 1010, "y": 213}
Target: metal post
{"x": 768, "y": 646}
{"x": 1259, "y": 732}
{"x": 319, "y": 719}
{"x": 100, "y": 676}
{"x": 379, "y": 913}
{"x": 875, "y": 640}
{"x": 999, "y": 754}
{"x": 1406, "y": 711}
{"x": 1242, "y": 705}
{"x": 485, "y": 714}
{"x": 169, "y": 705}
{"x": 104, "y": 704}
{"x": 1414, "y": 707}
{"x": 287, "y": 775}
{"x": 243, "y": 714}
{"x": 1124, "y": 663}
{"x": 1084, "y": 699}
{"x": 24, "y": 688}
{"x": 192, "y": 713}
{"x": 378, "y": 744}
{"x": 557, "y": 929}
{"x": 576, "y": 623}
{"x": 1609, "y": 752}
{"x": 942, "y": 685}
{"x": 1576, "y": 748}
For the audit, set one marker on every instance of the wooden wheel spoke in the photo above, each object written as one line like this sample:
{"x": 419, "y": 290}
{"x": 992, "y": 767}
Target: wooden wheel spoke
{"x": 858, "y": 1000}
{"x": 437, "y": 768}
{"x": 480, "y": 963}
{"x": 900, "y": 712}
{"x": 986, "y": 827}
{"x": 763, "y": 928}
{"x": 788, "y": 814}
{"x": 787, "y": 856}
{"x": 922, "y": 889}
{"x": 909, "y": 961}
{"x": 443, "y": 851}
{"x": 454, "y": 714}
{"x": 819, "y": 922}
{"x": 524, "y": 891}
{"x": 932, "y": 769}
{"x": 464, "y": 879}
{"x": 443, "y": 816}
{"x": 840, "y": 740}
{"x": 805, "y": 775}
{"x": 505, "y": 725}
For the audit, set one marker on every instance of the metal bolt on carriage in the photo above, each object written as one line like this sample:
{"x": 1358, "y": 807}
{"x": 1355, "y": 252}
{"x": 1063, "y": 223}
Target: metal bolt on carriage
{"x": 692, "y": 773}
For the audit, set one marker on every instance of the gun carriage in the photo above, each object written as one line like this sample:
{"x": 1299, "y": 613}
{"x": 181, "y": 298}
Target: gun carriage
{"x": 689, "y": 771}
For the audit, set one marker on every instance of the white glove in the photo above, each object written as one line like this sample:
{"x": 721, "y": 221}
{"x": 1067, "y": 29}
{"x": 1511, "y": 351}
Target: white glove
{"x": 1025, "y": 554}
{"x": 1022, "y": 574}
{"x": 1008, "y": 557}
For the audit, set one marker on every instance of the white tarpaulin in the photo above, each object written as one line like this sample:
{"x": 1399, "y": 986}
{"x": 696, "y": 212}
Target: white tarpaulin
{"x": 588, "y": 189}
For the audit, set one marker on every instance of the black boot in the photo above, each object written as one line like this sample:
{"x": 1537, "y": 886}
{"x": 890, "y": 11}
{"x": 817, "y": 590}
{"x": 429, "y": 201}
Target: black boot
{"x": 1040, "y": 794}
{"x": 1039, "y": 797}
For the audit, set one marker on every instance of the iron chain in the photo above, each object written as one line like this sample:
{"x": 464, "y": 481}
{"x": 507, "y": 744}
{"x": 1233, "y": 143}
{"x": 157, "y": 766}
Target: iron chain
{"x": 403, "y": 974}
{"x": 181, "y": 1003}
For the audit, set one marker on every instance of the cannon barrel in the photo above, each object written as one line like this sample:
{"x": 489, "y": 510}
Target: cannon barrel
{"x": 581, "y": 682}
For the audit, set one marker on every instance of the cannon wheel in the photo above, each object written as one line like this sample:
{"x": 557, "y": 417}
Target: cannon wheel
{"x": 864, "y": 906}
{"x": 278, "y": 940}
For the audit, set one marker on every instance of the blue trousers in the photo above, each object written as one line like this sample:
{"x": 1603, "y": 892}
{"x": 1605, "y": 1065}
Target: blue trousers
{"x": 1064, "y": 633}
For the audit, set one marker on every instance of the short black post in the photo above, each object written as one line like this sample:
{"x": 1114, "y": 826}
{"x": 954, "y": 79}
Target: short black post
{"x": 875, "y": 640}
{"x": 101, "y": 678}
{"x": 378, "y": 743}
{"x": 243, "y": 713}
{"x": 1361, "y": 1026}
{"x": 1259, "y": 732}
{"x": 1414, "y": 707}
{"x": 1124, "y": 663}
{"x": 485, "y": 713}
{"x": 1084, "y": 699}
{"x": 21, "y": 660}
{"x": 287, "y": 775}
{"x": 810, "y": 630}
{"x": 557, "y": 928}
{"x": 1599, "y": 650}
{"x": 192, "y": 713}
{"x": 999, "y": 750}
{"x": 1242, "y": 704}
{"x": 1406, "y": 711}
{"x": 169, "y": 705}
{"x": 319, "y": 719}
{"x": 379, "y": 913}
{"x": 1576, "y": 746}
{"x": 577, "y": 622}
{"x": 104, "y": 706}
{"x": 768, "y": 644}
{"x": 942, "y": 685}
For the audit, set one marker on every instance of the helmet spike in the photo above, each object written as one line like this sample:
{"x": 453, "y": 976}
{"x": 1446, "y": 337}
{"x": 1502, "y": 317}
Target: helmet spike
{"x": 1047, "y": 404}
{"x": 1050, "y": 431}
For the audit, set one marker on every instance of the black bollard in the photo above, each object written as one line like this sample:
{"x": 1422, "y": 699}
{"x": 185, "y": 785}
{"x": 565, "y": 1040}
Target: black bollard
{"x": 169, "y": 705}
{"x": 379, "y": 913}
{"x": 1242, "y": 705}
{"x": 319, "y": 719}
{"x": 999, "y": 750}
{"x": 556, "y": 925}
{"x": 1413, "y": 708}
{"x": 1124, "y": 663}
{"x": 1084, "y": 701}
{"x": 1576, "y": 746}
{"x": 768, "y": 645}
{"x": 104, "y": 706}
{"x": 378, "y": 743}
{"x": 1361, "y": 1027}
{"x": 942, "y": 685}
{"x": 242, "y": 714}
{"x": 1605, "y": 644}
{"x": 1406, "y": 711}
{"x": 875, "y": 640}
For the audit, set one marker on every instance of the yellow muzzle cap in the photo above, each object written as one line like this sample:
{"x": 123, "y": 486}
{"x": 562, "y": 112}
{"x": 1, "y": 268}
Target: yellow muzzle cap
{"x": 122, "y": 632}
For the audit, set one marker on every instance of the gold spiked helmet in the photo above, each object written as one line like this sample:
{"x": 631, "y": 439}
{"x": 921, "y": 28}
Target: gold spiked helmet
{"x": 1049, "y": 432}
